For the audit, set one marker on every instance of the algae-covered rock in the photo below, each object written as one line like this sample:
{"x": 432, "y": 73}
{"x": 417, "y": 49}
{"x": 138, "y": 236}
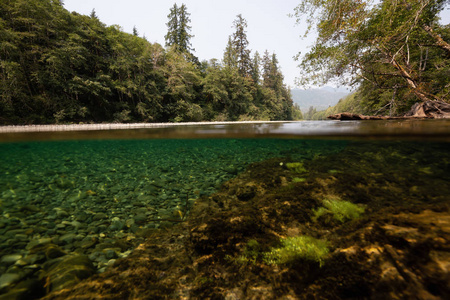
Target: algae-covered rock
{"x": 296, "y": 167}
{"x": 10, "y": 258}
{"x": 8, "y": 279}
{"x": 67, "y": 271}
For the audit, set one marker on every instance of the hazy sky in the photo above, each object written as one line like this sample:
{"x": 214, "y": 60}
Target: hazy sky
{"x": 269, "y": 26}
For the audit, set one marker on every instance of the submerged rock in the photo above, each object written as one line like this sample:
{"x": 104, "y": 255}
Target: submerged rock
{"x": 10, "y": 259}
{"x": 67, "y": 271}
{"x": 28, "y": 289}
{"x": 8, "y": 279}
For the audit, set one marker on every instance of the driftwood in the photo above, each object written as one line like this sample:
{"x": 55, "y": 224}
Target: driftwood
{"x": 425, "y": 110}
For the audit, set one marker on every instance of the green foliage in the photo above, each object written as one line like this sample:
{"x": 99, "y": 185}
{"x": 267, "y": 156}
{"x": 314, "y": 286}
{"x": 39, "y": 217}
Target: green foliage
{"x": 298, "y": 179}
{"x": 298, "y": 248}
{"x": 341, "y": 210}
{"x": 389, "y": 47}
{"x": 296, "y": 167}
{"x": 61, "y": 67}
{"x": 251, "y": 252}
{"x": 240, "y": 46}
{"x": 352, "y": 103}
{"x": 178, "y": 33}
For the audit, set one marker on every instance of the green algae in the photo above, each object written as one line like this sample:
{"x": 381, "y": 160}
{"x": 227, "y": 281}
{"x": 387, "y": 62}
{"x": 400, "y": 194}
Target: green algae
{"x": 341, "y": 210}
{"x": 296, "y": 248}
{"x": 296, "y": 167}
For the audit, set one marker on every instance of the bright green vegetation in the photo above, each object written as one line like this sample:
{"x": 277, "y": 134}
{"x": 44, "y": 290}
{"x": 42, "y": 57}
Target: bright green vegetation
{"x": 252, "y": 252}
{"x": 296, "y": 167}
{"x": 299, "y": 247}
{"x": 341, "y": 210}
{"x": 396, "y": 51}
{"x": 352, "y": 104}
{"x": 62, "y": 67}
{"x": 298, "y": 179}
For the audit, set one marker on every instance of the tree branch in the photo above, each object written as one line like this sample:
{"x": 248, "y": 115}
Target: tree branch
{"x": 438, "y": 39}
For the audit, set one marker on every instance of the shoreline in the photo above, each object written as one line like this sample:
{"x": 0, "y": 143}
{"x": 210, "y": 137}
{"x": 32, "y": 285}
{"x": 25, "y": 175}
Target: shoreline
{"x": 116, "y": 126}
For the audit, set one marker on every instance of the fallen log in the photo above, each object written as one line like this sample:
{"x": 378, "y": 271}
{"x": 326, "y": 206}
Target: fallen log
{"x": 425, "y": 110}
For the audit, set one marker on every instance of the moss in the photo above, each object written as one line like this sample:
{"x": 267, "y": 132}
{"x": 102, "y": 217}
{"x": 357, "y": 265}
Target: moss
{"x": 299, "y": 247}
{"x": 296, "y": 167}
{"x": 250, "y": 254}
{"x": 319, "y": 212}
{"x": 341, "y": 210}
{"x": 297, "y": 179}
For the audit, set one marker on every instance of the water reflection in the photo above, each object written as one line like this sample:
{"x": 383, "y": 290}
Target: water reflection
{"x": 408, "y": 129}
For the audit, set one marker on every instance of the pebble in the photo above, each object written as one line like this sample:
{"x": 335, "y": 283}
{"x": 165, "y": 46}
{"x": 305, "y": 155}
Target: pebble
{"x": 68, "y": 238}
{"x": 10, "y": 259}
{"x": 8, "y": 279}
{"x": 99, "y": 216}
{"x": 140, "y": 218}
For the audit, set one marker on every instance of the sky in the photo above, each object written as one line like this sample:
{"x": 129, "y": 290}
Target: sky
{"x": 269, "y": 26}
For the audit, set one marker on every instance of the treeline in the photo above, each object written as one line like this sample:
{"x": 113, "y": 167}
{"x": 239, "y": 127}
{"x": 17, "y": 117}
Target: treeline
{"x": 61, "y": 67}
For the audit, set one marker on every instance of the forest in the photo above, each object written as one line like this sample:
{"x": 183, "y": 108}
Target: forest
{"x": 62, "y": 67}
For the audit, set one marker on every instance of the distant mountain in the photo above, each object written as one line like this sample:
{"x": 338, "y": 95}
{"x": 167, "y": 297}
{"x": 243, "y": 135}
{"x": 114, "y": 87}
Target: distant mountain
{"x": 320, "y": 98}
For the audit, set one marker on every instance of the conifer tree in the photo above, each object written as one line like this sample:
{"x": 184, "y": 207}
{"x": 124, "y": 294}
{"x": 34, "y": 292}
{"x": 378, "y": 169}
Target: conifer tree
{"x": 256, "y": 64}
{"x": 172, "y": 27}
{"x": 184, "y": 36}
{"x": 93, "y": 14}
{"x": 230, "y": 55}
{"x": 178, "y": 32}
{"x": 240, "y": 45}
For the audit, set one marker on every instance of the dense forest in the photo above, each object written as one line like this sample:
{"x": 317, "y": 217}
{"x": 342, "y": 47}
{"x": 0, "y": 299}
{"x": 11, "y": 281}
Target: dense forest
{"x": 395, "y": 52}
{"x": 62, "y": 67}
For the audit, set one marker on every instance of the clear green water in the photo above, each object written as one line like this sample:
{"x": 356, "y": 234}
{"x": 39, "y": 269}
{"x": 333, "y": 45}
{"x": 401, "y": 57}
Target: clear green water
{"x": 103, "y": 197}
{"x": 73, "y": 174}
{"x": 153, "y": 177}
{"x": 70, "y": 193}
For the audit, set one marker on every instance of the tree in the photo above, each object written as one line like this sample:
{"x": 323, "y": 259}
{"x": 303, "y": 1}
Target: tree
{"x": 240, "y": 45}
{"x": 178, "y": 33}
{"x": 58, "y": 67}
{"x": 255, "y": 68}
{"x": 93, "y": 14}
{"x": 172, "y": 27}
{"x": 230, "y": 59}
{"x": 183, "y": 78}
{"x": 378, "y": 43}
{"x": 271, "y": 75}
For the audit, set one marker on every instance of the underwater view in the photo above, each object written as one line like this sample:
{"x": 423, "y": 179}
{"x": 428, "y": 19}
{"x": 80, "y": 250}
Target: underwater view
{"x": 267, "y": 211}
